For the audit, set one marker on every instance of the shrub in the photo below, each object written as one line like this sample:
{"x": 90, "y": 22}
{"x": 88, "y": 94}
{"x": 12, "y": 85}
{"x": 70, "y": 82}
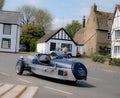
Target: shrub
{"x": 98, "y": 58}
{"x": 115, "y": 61}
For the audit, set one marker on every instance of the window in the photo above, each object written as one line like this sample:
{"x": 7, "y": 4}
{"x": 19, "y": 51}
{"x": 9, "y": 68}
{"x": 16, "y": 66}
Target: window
{"x": 52, "y": 46}
{"x": 117, "y": 49}
{"x": 109, "y": 36}
{"x": 7, "y": 29}
{"x": 69, "y": 46}
{"x": 108, "y": 50}
{"x": 117, "y": 34}
{"x": 6, "y": 43}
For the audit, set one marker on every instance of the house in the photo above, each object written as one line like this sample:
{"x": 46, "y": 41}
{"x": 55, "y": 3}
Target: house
{"x": 95, "y": 35}
{"x": 9, "y": 31}
{"x": 55, "y": 40}
{"x": 115, "y": 34}
{"x": 79, "y": 38}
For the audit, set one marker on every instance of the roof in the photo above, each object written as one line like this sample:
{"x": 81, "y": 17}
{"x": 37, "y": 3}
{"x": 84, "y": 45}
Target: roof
{"x": 79, "y": 36}
{"x": 10, "y": 17}
{"x": 49, "y": 35}
{"x": 118, "y": 7}
{"x": 104, "y": 20}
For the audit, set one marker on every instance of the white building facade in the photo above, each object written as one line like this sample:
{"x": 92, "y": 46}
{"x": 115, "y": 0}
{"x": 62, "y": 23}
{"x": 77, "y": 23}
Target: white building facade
{"x": 115, "y": 34}
{"x": 56, "y": 40}
{"x": 9, "y": 31}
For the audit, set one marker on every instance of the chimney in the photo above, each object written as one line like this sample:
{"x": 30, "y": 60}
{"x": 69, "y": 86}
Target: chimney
{"x": 83, "y": 21}
{"x": 94, "y": 7}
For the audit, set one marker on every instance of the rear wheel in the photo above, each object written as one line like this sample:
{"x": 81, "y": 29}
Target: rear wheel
{"x": 19, "y": 68}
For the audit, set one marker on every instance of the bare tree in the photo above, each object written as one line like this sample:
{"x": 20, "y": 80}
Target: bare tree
{"x": 43, "y": 19}
{"x": 27, "y": 14}
{"x": 37, "y": 17}
{"x": 2, "y": 4}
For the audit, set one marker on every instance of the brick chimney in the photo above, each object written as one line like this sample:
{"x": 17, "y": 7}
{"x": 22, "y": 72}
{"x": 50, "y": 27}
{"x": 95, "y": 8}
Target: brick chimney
{"x": 83, "y": 22}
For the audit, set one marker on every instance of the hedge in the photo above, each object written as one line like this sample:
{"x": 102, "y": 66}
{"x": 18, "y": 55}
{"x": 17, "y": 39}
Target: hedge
{"x": 115, "y": 62}
{"x": 106, "y": 59}
{"x": 98, "y": 58}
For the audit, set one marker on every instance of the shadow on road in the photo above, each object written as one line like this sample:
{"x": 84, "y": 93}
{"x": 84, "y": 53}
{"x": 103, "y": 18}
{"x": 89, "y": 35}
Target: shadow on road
{"x": 82, "y": 83}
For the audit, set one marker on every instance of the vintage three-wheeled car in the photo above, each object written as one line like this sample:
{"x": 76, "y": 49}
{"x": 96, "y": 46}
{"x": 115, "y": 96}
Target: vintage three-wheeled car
{"x": 59, "y": 68}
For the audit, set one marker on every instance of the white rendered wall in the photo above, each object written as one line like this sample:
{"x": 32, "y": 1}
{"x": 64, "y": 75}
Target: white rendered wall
{"x": 115, "y": 26}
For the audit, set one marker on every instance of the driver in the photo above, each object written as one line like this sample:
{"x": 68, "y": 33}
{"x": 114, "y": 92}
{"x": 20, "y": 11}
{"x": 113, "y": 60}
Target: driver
{"x": 64, "y": 53}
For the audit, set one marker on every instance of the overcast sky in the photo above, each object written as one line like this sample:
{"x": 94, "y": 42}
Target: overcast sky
{"x": 64, "y": 11}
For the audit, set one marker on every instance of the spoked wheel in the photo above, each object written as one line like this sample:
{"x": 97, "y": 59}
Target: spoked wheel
{"x": 19, "y": 68}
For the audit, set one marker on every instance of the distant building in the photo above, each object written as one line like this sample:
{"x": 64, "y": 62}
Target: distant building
{"x": 9, "y": 31}
{"x": 115, "y": 32}
{"x": 55, "y": 40}
{"x": 96, "y": 32}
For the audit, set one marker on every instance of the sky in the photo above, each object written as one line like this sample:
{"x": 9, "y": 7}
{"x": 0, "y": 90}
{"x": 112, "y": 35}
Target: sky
{"x": 64, "y": 11}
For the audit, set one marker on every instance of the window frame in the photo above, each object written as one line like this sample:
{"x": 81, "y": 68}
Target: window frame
{"x": 117, "y": 34}
{"x": 4, "y": 29}
{"x": 109, "y": 36}
{"x": 108, "y": 50}
{"x": 116, "y": 49}
{"x": 69, "y": 46}
{"x": 8, "y": 40}
{"x": 52, "y": 46}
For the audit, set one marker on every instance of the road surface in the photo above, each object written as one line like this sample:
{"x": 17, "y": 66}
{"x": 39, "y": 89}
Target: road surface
{"x": 103, "y": 80}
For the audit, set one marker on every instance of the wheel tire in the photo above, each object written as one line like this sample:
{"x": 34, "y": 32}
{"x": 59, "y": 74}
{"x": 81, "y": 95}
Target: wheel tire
{"x": 69, "y": 55}
{"x": 19, "y": 68}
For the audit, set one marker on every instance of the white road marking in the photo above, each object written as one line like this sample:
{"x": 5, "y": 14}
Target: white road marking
{"x": 5, "y": 74}
{"x": 25, "y": 80}
{"x": 58, "y": 90}
{"x": 15, "y": 91}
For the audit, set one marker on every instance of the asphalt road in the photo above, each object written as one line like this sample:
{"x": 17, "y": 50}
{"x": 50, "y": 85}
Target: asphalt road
{"x": 103, "y": 80}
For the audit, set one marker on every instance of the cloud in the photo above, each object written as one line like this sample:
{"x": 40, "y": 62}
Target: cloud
{"x": 62, "y": 22}
{"x": 57, "y": 21}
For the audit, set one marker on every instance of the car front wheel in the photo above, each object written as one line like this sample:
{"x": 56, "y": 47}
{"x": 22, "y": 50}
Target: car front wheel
{"x": 69, "y": 55}
{"x": 19, "y": 68}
